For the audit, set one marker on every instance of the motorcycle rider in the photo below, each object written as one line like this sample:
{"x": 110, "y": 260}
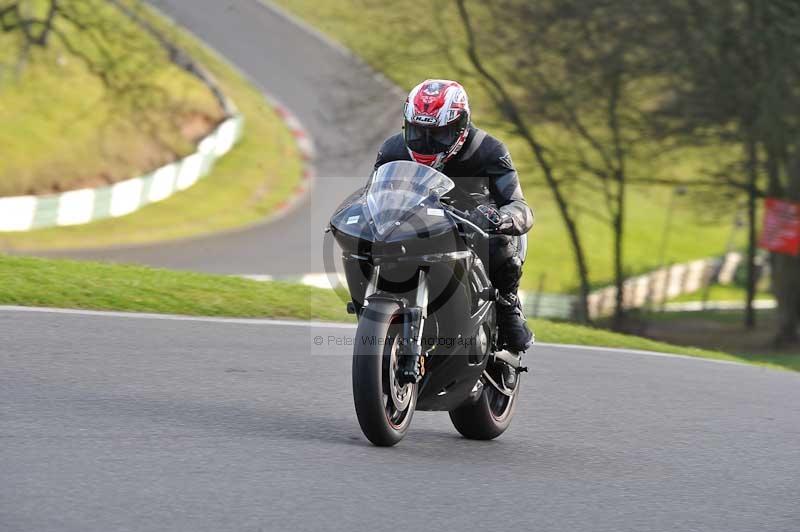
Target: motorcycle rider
{"x": 438, "y": 132}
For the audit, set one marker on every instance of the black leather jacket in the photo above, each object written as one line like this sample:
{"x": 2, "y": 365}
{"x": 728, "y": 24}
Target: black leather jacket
{"x": 483, "y": 173}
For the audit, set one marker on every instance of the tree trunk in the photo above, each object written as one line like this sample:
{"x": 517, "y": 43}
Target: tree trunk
{"x": 752, "y": 191}
{"x": 786, "y": 287}
{"x": 619, "y": 272}
{"x": 786, "y": 273}
{"x": 582, "y": 309}
{"x": 618, "y": 208}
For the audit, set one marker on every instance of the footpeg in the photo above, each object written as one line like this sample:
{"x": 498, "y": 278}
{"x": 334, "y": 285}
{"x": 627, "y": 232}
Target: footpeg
{"x": 510, "y": 377}
{"x": 509, "y": 358}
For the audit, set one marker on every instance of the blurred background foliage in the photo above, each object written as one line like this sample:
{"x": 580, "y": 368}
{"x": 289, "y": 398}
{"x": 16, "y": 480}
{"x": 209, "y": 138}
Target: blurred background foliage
{"x": 642, "y": 130}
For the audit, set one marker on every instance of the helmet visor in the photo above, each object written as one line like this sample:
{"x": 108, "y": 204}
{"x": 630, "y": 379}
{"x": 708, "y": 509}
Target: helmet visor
{"x": 429, "y": 140}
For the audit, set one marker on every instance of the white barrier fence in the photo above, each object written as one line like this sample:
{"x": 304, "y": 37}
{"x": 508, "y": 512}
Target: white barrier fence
{"x": 75, "y": 207}
{"x": 653, "y": 288}
{"x": 660, "y": 285}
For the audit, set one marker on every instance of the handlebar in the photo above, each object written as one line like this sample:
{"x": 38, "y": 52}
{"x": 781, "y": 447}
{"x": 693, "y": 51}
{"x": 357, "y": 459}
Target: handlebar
{"x": 461, "y": 216}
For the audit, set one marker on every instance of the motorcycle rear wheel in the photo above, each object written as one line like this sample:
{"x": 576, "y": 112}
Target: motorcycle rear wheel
{"x": 490, "y": 415}
{"x": 383, "y": 407}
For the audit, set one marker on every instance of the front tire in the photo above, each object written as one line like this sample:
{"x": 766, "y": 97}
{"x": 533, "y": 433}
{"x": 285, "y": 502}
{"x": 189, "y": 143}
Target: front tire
{"x": 384, "y": 409}
{"x": 490, "y": 415}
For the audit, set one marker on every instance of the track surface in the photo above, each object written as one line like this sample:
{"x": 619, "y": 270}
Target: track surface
{"x": 111, "y": 423}
{"x": 347, "y": 111}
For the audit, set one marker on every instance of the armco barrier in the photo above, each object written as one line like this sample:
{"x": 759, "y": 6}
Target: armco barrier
{"x": 658, "y": 286}
{"x": 24, "y": 213}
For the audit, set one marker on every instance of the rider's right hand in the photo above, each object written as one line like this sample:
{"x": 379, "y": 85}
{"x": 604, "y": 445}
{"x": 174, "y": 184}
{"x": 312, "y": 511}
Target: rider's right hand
{"x": 488, "y": 217}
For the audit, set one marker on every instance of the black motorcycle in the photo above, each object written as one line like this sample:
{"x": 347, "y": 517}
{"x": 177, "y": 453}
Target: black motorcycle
{"x": 427, "y": 335}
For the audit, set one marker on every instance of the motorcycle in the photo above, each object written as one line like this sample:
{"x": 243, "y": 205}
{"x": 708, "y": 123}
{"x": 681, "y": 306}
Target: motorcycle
{"x": 427, "y": 334}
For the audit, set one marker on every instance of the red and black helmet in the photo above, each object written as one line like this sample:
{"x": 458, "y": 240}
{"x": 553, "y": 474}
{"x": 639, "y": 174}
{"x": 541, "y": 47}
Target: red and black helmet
{"x": 437, "y": 120}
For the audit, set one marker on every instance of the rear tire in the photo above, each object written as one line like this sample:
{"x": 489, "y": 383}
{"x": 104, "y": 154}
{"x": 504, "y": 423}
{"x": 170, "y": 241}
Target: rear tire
{"x": 489, "y": 416}
{"x": 383, "y": 408}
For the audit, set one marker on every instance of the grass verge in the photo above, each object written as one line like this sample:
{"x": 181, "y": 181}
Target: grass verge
{"x": 719, "y": 292}
{"x": 243, "y": 188}
{"x": 100, "y": 286}
{"x": 556, "y": 332}
{"x": 724, "y": 331}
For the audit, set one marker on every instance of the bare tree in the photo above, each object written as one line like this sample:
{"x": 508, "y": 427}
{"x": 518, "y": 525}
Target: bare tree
{"x": 582, "y": 67}
{"x": 508, "y": 107}
{"x": 735, "y": 78}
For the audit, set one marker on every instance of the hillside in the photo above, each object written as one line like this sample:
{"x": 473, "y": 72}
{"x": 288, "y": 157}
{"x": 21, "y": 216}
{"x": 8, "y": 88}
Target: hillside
{"x": 64, "y": 128}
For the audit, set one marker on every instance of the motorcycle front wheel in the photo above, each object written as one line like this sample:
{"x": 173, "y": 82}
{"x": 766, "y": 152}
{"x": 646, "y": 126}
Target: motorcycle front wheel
{"x": 383, "y": 407}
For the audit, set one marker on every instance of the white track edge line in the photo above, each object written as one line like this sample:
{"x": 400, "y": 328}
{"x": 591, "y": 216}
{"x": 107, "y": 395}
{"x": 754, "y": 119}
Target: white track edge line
{"x": 177, "y": 317}
{"x": 640, "y": 352}
{"x": 331, "y": 325}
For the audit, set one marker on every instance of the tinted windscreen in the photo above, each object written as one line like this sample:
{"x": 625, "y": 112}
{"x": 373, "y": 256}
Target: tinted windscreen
{"x": 400, "y": 186}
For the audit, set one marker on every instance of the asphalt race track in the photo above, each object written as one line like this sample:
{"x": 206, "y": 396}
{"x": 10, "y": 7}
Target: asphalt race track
{"x": 346, "y": 110}
{"x": 115, "y": 423}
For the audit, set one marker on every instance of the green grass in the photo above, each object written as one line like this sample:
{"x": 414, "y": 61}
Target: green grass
{"x": 724, "y": 331}
{"x": 718, "y": 292}
{"x": 720, "y": 316}
{"x": 100, "y": 286}
{"x": 244, "y": 187}
{"x": 556, "y": 332}
{"x": 406, "y": 50}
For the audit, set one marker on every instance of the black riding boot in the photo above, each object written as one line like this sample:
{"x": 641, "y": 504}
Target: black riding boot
{"x": 514, "y": 334}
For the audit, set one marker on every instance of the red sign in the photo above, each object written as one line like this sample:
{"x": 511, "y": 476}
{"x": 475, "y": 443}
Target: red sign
{"x": 781, "y": 231}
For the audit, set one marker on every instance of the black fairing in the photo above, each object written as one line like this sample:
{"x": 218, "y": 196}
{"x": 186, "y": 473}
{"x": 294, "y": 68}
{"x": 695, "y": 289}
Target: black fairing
{"x": 455, "y": 314}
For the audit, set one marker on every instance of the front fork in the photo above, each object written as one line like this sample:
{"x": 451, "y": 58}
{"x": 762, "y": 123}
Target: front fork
{"x": 414, "y": 312}
{"x": 411, "y": 363}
